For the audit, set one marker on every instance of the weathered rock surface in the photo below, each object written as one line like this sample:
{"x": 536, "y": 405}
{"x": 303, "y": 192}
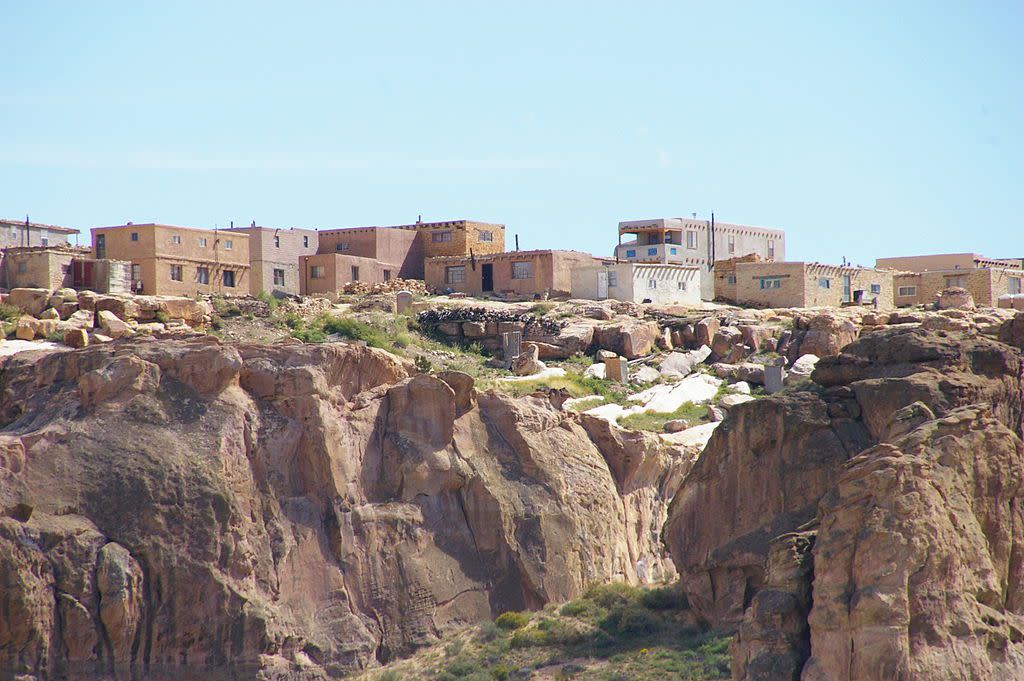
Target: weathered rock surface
{"x": 186, "y": 509}
{"x": 903, "y": 465}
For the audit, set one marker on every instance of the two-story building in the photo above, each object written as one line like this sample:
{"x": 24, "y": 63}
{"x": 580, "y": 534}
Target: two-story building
{"x": 24, "y": 234}
{"x": 690, "y": 241}
{"x": 378, "y": 254}
{"x": 922, "y": 277}
{"x": 182, "y": 261}
{"x": 275, "y": 257}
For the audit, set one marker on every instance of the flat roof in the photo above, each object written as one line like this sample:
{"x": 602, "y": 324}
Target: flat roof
{"x": 39, "y": 225}
{"x": 133, "y": 225}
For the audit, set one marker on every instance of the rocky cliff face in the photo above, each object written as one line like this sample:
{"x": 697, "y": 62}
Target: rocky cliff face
{"x": 185, "y": 509}
{"x": 868, "y": 527}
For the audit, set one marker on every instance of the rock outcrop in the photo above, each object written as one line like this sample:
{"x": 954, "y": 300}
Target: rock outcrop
{"x": 187, "y": 509}
{"x": 901, "y": 465}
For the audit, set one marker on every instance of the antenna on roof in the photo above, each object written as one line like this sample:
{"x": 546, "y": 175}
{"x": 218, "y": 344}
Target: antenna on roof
{"x": 419, "y": 219}
{"x": 694, "y": 214}
{"x": 252, "y": 225}
{"x": 517, "y": 242}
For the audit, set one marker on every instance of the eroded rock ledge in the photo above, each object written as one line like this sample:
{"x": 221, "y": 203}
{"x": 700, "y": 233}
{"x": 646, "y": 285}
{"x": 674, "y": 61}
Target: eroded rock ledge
{"x": 186, "y": 509}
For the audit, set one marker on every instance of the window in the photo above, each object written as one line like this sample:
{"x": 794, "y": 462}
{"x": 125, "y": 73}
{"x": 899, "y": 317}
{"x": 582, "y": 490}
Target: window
{"x": 955, "y": 281}
{"x": 771, "y": 282}
{"x": 176, "y": 273}
{"x": 202, "y": 275}
{"x": 484, "y": 235}
{"x": 1014, "y": 285}
{"x": 229, "y": 278}
{"x": 229, "y": 244}
{"x": 355, "y": 273}
{"x": 14, "y": 232}
{"x": 652, "y": 251}
{"x": 691, "y": 239}
{"x": 135, "y": 236}
{"x": 613, "y": 279}
{"x": 175, "y": 239}
{"x": 441, "y": 237}
{"x": 387, "y": 275}
{"x": 46, "y": 241}
{"x": 454, "y": 275}
{"x": 673, "y": 251}
{"x": 101, "y": 246}
{"x": 305, "y": 242}
{"x": 278, "y": 277}
{"x": 202, "y": 242}
{"x": 22, "y": 268}
{"x": 771, "y": 248}
{"x": 341, "y": 246}
{"x": 630, "y": 253}
{"x": 522, "y": 270}
{"x": 316, "y": 272}
{"x": 824, "y": 282}
{"x": 277, "y": 242}
{"x": 652, "y": 283}
{"x": 731, "y": 279}
{"x": 876, "y": 288}
{"x": 907, "y": 291}
{"x": 681, "y": 285}
{"x": 732, "y": 243}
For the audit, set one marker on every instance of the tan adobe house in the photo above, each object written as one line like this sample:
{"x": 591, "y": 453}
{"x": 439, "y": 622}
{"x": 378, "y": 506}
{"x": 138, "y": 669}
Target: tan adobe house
{"x": 689, "y": 241}
{"x": 22, "y": 233}
{"x": 924, "y": 276}
{"x": 638, "y": 283}
{"x": 182, "y": 261}
{"x": 516, "y": 273}
{"x": 54, "y": 267}
{"x": 275, "y": 257}
{"x": 805, "y": 284}
{"x": 378, "y": 254}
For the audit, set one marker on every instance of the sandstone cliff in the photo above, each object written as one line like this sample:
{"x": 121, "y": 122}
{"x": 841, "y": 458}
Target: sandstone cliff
{"x": 868, "y": 527}
{"x": 186, "y": 509}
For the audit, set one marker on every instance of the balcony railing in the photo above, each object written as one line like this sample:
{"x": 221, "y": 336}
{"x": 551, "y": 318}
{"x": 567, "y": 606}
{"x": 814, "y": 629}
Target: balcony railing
{"x": 651, "y": 252}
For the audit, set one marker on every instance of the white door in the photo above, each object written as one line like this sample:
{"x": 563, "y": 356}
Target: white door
{"x": 602, "y": 284}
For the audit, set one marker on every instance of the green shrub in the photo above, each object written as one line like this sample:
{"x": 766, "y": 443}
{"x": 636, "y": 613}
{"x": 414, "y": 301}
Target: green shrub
{"x": 501, "y": 672}
{"x": 665, "y": 598}
{"x": 541, "y": 309}
{"x": 389, "y": 675}
{"x": 612, "y": 594}
{"x": 423, "y": 364}
{"x": 267, "y": 298}
{"x": 454, "y": 648}
{"x": 216, "y": 322}
{"x": 488, "y": 631}
{"x": 347, "y": 327}
{"x": 162, "y": 317}
{"x": 630, "y": 620}
{"x": 512, "y": 620}
{"x": 528, "y": 638}
{"x": 9, "y": 313}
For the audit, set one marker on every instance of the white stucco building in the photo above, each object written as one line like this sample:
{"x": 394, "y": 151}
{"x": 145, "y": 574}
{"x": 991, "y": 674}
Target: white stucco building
{"x": 638, "y": 283}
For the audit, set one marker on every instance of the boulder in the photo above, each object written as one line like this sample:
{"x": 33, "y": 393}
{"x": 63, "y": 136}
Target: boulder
{"x": 630, "y": 339}
{"x": 123, "y": 307}
{"x": 676, "y": 425}
{"x": 26, "y": 329}
{"x": 704, "y": 331}
{"x": 742, "y": 387}
{"x": 955, "y": 297}
{"x": 595, "y": 370}
{"x": 87, "y": 300}
{"x": 681, "y": 364}
{"x": 750, "y": 373}
{"x": 67, "y": 309}
{"x": 826, "y": 335}
{"x": 729, "y": 401}
{"x": 80, "y": 319}
{"x": 31, "y": 301}
{"x": 802, "y": 368}
{"x": 49, "y": 313}
{"x": 1012, "y": 331}
{"x": 76, "y": 338}
{"x": 645, "y": 374}
{"x": 112, "y": 325}
{"x": 450, "y": 328}
{"x": 757, "y": 337}
{"x": 528, "y": 362}
{"x": 474, "y": 329}
{"x": 725, "y": 339}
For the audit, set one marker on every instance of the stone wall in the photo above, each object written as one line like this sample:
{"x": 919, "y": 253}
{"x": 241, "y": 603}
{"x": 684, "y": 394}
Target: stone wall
{"x": 550, "y": 272}
{"x": 984, "y": 284}
{"x": 809, "y": 284}
{"x": 337, "y": 270}
{"x": 277, "y": 249}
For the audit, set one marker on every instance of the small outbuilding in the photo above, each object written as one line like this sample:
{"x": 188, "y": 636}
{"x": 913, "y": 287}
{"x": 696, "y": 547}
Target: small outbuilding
{"x": 638, "y": 283}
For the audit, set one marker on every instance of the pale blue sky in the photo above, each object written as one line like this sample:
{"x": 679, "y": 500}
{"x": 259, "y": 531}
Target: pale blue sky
{"x": 864, "y": 129}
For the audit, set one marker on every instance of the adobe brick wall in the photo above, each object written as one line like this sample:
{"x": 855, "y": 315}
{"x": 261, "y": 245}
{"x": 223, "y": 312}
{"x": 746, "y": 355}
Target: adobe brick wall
{"x": 984, "y": 284}
{"x": 551, "y": 272}
{"x": 465, "y": 236}
{"x": 154, "y": 252}
{"x": 799, "y": 284}
{"x": 400, "y": 248}
{"x": 337, "y": 269}
{"x": 13, "y": 234}
{"x": 266, "y": 255}
{"x": 37, "y": 268}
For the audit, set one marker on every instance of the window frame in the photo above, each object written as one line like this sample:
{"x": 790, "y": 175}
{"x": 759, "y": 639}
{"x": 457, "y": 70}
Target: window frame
{"x": 451, "y": 270}
{"x": 317, "y": 272}
{"x": 179, "y": 270}
{"x": 229, "y": 274}
{"x": 912, "y": 291}
{"x": 770, "y": 283}
{"x": 203, "y": 275}
{"x": 691, "y": 239}
{"x": 441, "y": 236}
{"x": 518, "y": 266}
{"x": 275, "y": 272}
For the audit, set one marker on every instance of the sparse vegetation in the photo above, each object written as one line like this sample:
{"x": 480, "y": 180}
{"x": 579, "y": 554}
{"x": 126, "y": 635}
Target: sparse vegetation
{"x": 694, "y": 414}
{"x": 614, "y": 631}
{"x": 270, "y": 300}
{"x": 541, "y": 309}
{"x": 575, "y": 384}
{"x": 9, "y": 313}
{"x": 161, "y": 317}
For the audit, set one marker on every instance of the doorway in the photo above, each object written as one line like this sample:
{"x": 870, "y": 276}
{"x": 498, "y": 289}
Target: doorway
{"x": 487, "y": 277}
{"x": 602, "y": 284}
